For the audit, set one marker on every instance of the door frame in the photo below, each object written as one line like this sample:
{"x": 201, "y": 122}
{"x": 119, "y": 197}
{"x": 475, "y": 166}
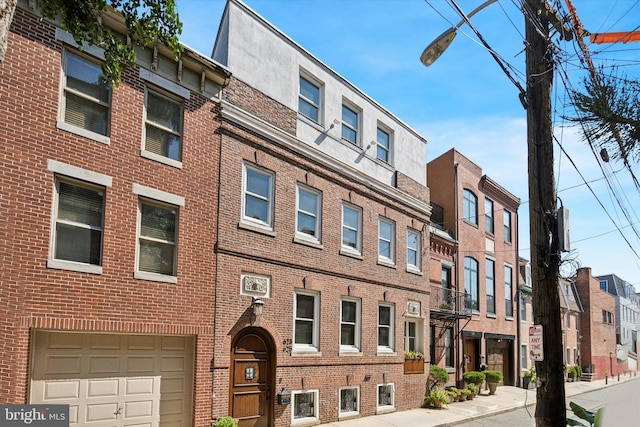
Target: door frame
{"x": 271, "y": 363}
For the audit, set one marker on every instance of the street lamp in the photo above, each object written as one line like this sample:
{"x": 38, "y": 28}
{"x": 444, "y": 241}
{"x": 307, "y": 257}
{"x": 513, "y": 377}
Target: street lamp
{"x": 442, "y": 42}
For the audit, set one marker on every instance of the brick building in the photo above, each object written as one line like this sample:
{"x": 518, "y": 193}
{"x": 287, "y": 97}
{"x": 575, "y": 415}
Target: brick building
{"x": 324, "y": 226}
{"x": 108, "y": 209}
{"x": 482, "y": 217}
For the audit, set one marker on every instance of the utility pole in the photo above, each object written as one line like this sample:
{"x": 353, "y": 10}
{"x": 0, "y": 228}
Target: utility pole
{"x": 545, "y": 255}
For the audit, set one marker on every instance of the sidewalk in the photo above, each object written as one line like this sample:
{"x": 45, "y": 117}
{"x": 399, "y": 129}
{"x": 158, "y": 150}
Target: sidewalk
{"x": 506, "y": 399}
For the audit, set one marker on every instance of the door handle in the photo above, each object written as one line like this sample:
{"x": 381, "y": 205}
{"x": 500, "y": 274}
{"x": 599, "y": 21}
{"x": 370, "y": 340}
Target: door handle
{"x": 118, "y": 412}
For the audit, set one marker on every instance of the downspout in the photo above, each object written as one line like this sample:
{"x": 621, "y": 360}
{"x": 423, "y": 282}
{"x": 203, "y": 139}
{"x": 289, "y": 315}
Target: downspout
{"x": 519, "y": 300}
{"x": 457, "y": 274}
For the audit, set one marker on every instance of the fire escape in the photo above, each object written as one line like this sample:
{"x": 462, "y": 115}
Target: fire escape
{"x": 448, "y": 312}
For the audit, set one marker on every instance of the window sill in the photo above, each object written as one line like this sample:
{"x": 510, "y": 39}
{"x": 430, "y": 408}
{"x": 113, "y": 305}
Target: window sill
{"x": 82, "y": 132}
{"x": 386, "y": 353}
{"x": 351, "y": 253}
{"x": 470, "y": 223}
{"x": 307, "y": 242}
{"x": 510, "y": 318}
{"x": 385, "y": 410}
{"x": 306, "y": 353}
{"x": 74, "y": 266}
{"x": 348, "y": 416}
{"x": 350, "y": 353}
{"x": 160, "y": 159}
{"x": 387, "y": 263}
{"x": 414, "y": 271}
{"x": 154, "y": 277}
{"x": 257, "y": 229}
{"x": 492, "y": 315}
{"x": 306, "y": 422}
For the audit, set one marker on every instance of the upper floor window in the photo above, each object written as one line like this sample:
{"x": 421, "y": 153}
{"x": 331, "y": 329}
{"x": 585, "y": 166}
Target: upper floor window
{"x": 386, "y": 240}
{"x": 86, "y": 96}
{"x": 523, "y": 307}
{"x": 471, "y": 284}
{"x": 490, "y": 268}
{"x": 308, "y": 218}
{"x": 445, "y": 279}
{"x": 163, "y": 125}
{"x": 351, "y": 228}
{"x": 349, "y": 324}
{"x": 383, "y": 141}
{"x": 309, "y": 100}
{"x": 157, "y": 238}
{"x": 488, "y": 216}
{"x": 470, "y": 207}
{"x": 350, "y": 124}
{"x": 507, "y": 226}
{"x": 508, "y": 291}
{"x": 258, "y": 195}
{"x": 306, "y": 321}
{"x": 79, "y": 222}
{"x": 385, "y": 327}
{"x": 413, "y": 249}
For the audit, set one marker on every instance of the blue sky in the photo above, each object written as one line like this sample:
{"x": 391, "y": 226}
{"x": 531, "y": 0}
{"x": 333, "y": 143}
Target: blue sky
{"x": 464, "y": 100}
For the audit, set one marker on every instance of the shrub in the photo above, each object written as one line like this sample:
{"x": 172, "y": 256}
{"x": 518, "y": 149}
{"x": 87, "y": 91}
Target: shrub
{"x": 571, "y": 371}
{"x": 436, "y": 398}
{"x": 493, "y": 376}
{"x": 473, "y": 377}
{"x": 578, "y": 371}
{"x": 473, "y": 388}
{"x": 226, "y": 422}
{"x": 413, "y": 355}
{"x": 437, "y": 375}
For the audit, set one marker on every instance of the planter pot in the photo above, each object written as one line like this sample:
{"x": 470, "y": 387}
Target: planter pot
{"x": 492, "y": 388}
{"x": 462, "y": 398}
{"x": 525, "y": 382}
{"x": 414, "y": 366}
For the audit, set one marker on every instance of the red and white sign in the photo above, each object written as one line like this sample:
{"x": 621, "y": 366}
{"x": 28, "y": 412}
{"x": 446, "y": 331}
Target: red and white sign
{"x": 536, "y": 351}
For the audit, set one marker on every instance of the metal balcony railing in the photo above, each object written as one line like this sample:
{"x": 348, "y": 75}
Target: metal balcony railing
{"x": 448, "y": 302}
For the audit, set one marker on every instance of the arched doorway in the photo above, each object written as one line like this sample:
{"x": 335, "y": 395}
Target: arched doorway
{"x": 252, "y": 378}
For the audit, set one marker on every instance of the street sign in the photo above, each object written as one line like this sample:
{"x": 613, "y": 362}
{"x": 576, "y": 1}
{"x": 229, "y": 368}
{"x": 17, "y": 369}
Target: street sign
{"x": 536, "y": 351}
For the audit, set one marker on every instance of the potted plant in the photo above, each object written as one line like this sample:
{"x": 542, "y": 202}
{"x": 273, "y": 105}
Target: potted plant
{"x": 578, "y": 372}
{"x": 226, "y": 422}
{"x": 436, "y": 398}
{"x": 453, "y": 395}
{"x": 529, "y": 377}
{"x": 473, "y": 389}
{"x": 437, "y": 376}
{"x": 413, "y": 362}
{"x": 473, "y": 377}
{"x": 571, "y": 373}
{"x": 493, "y": 378}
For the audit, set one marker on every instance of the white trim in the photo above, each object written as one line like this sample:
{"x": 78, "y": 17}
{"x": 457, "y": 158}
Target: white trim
{"x": 418, "y": 250}
{"x": 316, "y": 407}
{"x": 358, "y": 249}
{"x": 270, "y": 198}
{"x": 315, "y": 338}
{"x": 74, "y": 266}
{"x": 387, "y": 349}
{"x": 393, "y": 397}
{"x": 65, "y": 37}
{"x": 62, "y": 125}
{"x": 349, "y": 413}
{"x": 357, "y": 324}
{"x": 165, "y": 84}
{"x": 160, "y": 195}
{"x": 79, "y": 173}
{"x": 391, "y": 259}
{"x": 160, "y": 159}
{"x": 154, "y": 277}
{"x": 317, "y": 239}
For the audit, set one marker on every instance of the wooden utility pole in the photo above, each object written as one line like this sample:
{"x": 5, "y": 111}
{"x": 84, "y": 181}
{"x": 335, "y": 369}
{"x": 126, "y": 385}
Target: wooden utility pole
{"x": 545, "y": 255}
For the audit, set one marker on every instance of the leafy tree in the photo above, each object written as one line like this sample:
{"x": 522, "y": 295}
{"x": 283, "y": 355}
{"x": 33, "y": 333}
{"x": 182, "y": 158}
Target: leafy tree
{"x": 146, "y": 21}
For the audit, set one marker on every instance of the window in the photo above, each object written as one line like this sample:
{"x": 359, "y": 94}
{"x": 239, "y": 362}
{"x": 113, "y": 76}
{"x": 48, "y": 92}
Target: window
{"x": 305, "y": 406}
{"x": 386, "y": 324}
{"x": 471, "y": 284}
{"x": 349, "y": 401}
{"x": 386, "y": 240}
{"x": 414, "y": 250}
{"x": 445, "y": 277}
{"x": 523, "y": 308}
{"x": 79, "y": 222}
{"x": 163, "y": 126}
{"x": 86, "y": 96}
{"x": 258, "y": 196}
{"x": 309, "y": 213}
{"x": 449, "y": 354}
{"x": 386, "y": 396}
{"x": 306, "y": 321}
{"x": 309, "y": 100}
{"x": 349, "y": 324}
{"x": 350, "y": 125}
{"x": 524, "y": 357}
{"x": 383, "y": 140}
{"x": 470, "y": 207}
{"x": 488, "y": 216}
{"x": 507, "y": 226}
{"x": 351, "y": 228}
{"x": 603, "y": 285}
{"x": 490, "y": 268}
{"x": 568, "y": 320}
{"x": 157, "y": 238}
{"x": 508, "y": 291}
{"x": 413, "y": 335}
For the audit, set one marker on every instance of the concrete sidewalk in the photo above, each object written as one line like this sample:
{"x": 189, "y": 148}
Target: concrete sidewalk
{"x": 506, "y": 399}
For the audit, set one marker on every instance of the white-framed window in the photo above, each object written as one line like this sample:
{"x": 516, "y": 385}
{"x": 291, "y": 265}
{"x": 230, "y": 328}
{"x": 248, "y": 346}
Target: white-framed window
{"x": 523, "y": 307}
{"x": 488, "y": 216}
{"x": 309, "y": 99}
{"x": 383, "y": 145}
{"x": 386, "y": 327}
{"x": 351, "y": 228}
{"x": 386, "y": 240}
{"x": 350, "y": 317}
{"x": 309, "y": 211}
{"x": 306, "y": 311}
{"x": 470, "y": 207}
{"x": 507, "y": 226}
{"x": 304, "y": 406}
{"x": 386, "y": 396}
{"x": 508, "y": 291}
{"x": 414, "y": 250}
{"x": 413, "y": 335}
{"x": 258, "y": 196}
{"x": 157, "y": 238}
{"x": 86, "y": 97}
{"x": 349, "y": 401}
{"x": 471, "y": 287}
{"x": 78, "y": 223}
{"x": 350, "y": 125}
{"x": 163, "y": 125}
{"x": 449, "y": 349}
{"x": 490, "y": 284}
{"x": 524, "y": 357}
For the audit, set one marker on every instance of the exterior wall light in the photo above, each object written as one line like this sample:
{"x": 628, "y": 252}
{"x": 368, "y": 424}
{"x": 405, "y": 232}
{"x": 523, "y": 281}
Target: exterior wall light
{"x": 257, "y": 305}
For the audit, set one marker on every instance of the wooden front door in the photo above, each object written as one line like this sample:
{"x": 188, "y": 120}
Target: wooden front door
{"x": 470, "y": 355}
{"x": 252, "y": 378}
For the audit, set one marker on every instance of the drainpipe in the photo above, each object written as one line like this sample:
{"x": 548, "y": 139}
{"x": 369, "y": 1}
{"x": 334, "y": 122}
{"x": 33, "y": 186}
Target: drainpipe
{"x": 457, "y": 272}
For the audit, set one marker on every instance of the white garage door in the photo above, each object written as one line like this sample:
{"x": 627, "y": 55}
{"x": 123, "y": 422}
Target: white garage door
{"x": 115, "y": 380}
